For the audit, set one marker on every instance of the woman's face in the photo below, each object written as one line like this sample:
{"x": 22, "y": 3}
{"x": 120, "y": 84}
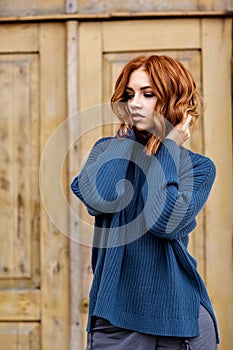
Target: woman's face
{"x": 141, "y": 100}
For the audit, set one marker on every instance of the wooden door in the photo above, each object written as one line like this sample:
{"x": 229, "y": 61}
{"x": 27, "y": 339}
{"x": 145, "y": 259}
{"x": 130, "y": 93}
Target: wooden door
{"x": 204, "y": 46}
{"x": 33, "y": 254}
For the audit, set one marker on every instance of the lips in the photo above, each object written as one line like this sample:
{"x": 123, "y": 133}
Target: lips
{"x": 137, "y": 117}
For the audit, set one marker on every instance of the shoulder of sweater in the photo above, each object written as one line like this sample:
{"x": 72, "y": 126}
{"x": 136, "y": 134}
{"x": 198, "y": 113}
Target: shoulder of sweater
{"x": 101, "y": 144}
{"x": 103, "y": 139}
{"x": 198, "y": 160}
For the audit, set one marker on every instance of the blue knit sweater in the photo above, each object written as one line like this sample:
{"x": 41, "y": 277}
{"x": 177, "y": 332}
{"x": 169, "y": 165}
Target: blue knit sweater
{"x": 145, "y": 208}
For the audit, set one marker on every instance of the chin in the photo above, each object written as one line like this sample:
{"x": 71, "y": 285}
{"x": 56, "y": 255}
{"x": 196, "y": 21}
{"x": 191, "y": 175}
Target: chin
{"x": 140, "y": 127}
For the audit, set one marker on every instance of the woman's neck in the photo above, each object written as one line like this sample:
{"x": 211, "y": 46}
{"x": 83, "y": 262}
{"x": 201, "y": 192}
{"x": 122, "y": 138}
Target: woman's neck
{"x": 142, "y": 136}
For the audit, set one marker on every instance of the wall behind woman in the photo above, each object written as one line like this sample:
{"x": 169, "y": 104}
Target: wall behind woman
{"x": 42, "y": 45}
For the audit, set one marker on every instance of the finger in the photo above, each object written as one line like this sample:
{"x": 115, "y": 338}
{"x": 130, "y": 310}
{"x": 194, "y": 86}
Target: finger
{"x": 187, "y": 121}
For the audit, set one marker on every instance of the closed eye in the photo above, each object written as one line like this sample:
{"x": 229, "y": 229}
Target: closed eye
{"x": 129, "y": 96}
{"x": 149, "y": 94}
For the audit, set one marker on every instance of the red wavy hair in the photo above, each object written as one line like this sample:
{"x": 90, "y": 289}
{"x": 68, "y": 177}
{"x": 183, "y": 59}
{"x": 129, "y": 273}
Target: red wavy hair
{"x": 174, "y": 87}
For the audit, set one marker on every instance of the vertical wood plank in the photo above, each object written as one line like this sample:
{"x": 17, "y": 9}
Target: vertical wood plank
{"x": 90, "y": 87}
{"x": 54, "y": 245}
{"x": 75, "y": 260}
{"x": 112, "y": 66}
{"x": 21, "y": 149}
{"x": 216, "y": 36}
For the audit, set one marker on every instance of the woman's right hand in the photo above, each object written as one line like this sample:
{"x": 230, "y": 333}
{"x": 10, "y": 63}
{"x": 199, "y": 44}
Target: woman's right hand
{"x": 181, "y": 133}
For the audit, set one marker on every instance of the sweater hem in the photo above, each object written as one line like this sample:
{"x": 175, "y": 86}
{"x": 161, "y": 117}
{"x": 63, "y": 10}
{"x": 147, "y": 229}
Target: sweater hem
{"x": 185, "y": 327}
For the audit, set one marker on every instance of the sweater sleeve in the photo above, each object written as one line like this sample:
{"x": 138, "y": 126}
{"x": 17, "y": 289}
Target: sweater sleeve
{"x": 179, "y": 191}
{"x": 101, "y": 184}
{"x": 168, "y": 189}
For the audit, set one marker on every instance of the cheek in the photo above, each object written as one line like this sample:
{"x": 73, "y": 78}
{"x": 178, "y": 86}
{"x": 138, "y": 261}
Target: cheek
{"x": 151, "y": 104}
{"x": 151, "y": 109}
{"x": 128, "y": 105}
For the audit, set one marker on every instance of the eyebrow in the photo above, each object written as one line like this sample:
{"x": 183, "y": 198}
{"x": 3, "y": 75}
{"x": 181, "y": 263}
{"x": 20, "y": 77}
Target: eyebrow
{"x": 142, "y": 88}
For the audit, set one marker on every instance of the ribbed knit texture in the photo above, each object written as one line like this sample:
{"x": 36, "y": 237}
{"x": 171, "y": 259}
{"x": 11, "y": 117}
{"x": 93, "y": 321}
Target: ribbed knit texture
{"x": 145, "y": 208}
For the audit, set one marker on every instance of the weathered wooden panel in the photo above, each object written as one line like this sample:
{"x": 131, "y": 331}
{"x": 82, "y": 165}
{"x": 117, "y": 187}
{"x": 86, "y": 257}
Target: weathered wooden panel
{"x": 30, "y": 8}
{"x": 19, "y": 161}
{"x": 93, "y": 6}
{"x": 19, "y": 305}
{"x": 20, "y": 38}
{"x": 159, "y": 34}
{"x": 54, "y": 7}
{"x": 15, "y": 336}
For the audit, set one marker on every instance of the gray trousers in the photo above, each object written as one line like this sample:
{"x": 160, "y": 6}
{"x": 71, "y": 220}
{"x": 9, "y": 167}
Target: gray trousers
{"x": 104, "y": 336}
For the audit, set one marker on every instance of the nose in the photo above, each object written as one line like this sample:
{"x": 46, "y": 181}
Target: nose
{"x": 135, "y": 102}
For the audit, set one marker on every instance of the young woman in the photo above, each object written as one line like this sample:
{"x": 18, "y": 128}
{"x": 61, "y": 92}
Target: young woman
{"x": 145, "y": 189}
